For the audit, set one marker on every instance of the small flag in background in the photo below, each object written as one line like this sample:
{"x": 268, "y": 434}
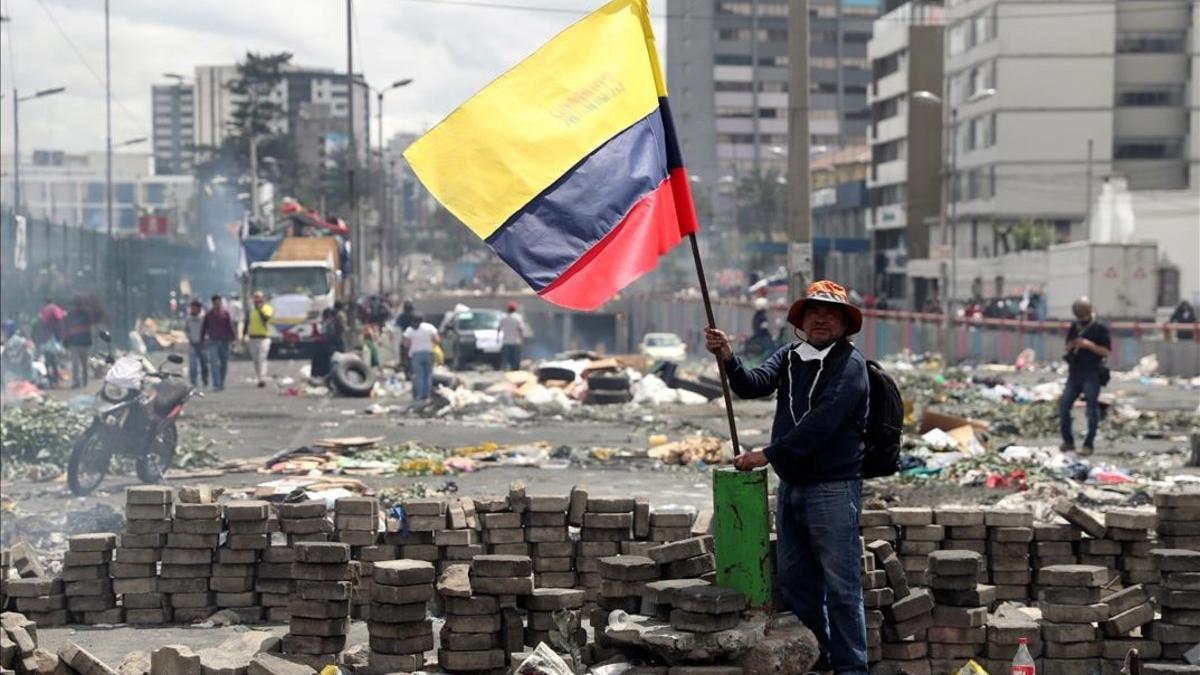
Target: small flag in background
{"x": 568, "y": 165}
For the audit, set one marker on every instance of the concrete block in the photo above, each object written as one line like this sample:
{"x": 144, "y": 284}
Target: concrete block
{"x": 471, "y": 606}
{"x": 1074, "y": 613}
{"x": 1068, "y": 632}
{"x": 1010, "y": 534}
{"x": 959, "y": 617}
{"x": 303, "y": 571}
{"x": 501, "y": 566}
{"x": 911, "y": 515}
{"x": 954, "y": 563}
{"x": 1077, "y": 576}
{"x": 981, "y": 596}
{"x": 917, "y": 602}
{"x": 323, "y": 590}
{"x": 628, "y": 568}
{"x": 610, "y": 505}
{"x": 1121, "y": 624}
{"x": 403, "y": 573}
{"x": 691, "y": 567}
{"x": 955, "y": 516}
{"x": 322, "y": 553}
{"x": 576, "y": 506}
{"x": 1175, "y": 599}
{"x": 1079, "y": 517}
{"x": 174, "y": 660}
{"x": 103, "y": 541}
{"x": 471, "y": 660}
{"x": 1071, "y": 595}
{"x": 697, "y": 622}
{"x": 997, "y": 517}
{"x": 502, "y": 585}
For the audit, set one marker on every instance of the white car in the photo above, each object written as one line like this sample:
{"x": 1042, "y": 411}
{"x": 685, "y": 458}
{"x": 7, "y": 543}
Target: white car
{"x": 664, "y": 347}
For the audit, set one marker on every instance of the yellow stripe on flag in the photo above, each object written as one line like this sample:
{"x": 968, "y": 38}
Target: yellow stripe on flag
{"x": 522, "y": 132}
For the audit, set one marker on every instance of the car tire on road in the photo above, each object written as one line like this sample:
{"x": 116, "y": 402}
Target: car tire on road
{"x": 607, "y": 397}
{"x": 352, "y": 377}
{"x": 555, "y": 374}
{"x": 608, "y": 382}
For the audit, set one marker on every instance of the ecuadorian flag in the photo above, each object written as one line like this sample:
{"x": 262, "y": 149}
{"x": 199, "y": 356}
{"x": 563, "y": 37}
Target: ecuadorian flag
{"x": 568, "y": 165}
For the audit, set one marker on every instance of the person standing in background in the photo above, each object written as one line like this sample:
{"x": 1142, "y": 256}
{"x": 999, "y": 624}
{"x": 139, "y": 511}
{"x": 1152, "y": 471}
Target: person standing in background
{"x": 1088, "y": 344}
{"x": 218, "y": 333}
{"x": 48, "y": 336}
{"x": 79, "y": 340}
{"x": 419, "y": 339}
{"x": 193, "y": 326}
{"x": 512, "y": 335}
{"x": 258, "y": 334}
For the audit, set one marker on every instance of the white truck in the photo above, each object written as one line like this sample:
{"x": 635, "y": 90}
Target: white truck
{"x": 300, "y": 280}
{"x": 1121, "y": 280}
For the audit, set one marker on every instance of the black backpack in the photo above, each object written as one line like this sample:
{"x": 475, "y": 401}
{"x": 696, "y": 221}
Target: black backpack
{"x": 885, "y": 422}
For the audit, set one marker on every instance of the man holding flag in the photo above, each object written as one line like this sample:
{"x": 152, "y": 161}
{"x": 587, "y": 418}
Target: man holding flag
{"x": 568, "y": 167}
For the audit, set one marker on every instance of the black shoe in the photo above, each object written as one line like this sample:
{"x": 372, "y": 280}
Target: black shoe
{"x": 261, "y": 384}
{"x": 1086, "y": 450}
{"x": 1067, "y": 447}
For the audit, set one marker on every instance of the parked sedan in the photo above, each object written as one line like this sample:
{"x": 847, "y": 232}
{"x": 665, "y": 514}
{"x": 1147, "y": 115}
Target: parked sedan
{"x": 660, "y": 347}
{"x": 471, "y": 336}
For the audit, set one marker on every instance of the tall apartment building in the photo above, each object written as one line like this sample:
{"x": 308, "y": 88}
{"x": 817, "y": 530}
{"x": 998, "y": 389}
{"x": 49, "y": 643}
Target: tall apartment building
{"x": 727, "y": 70}
{"x": 905, "y": 135}
{"x": 1078, "y": 91}
{"x": 215, "y": 103}
{"x": 173, "y": 111}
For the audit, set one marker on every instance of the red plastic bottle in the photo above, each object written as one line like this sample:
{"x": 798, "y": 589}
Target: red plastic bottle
{"x": 1023, "y": 662}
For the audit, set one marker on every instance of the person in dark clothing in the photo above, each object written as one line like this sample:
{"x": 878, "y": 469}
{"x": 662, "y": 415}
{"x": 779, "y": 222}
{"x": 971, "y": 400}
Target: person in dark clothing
{"x": 218, "y": 332}
{"x": 404, "y": 320}
{"x": 322, "y": 352}
{"x": 1184, "y": 313}
{"x": 816, "y": 449}
{"x": 79, "y": 341}
{"x": 1088, "y": 344}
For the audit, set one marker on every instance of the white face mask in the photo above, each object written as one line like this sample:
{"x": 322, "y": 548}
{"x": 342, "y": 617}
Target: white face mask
{"x": 807, "y": 352}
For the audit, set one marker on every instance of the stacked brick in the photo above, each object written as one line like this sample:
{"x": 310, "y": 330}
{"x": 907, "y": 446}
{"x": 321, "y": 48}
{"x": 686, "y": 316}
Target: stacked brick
{"x": 273, "y": 581}
{"x": 880, "y": 590}
{"x": 41, "y": 599}
{"x": 624, "y": 580}
{"x": 400, "y": 631}
{"x": 918, "y": 537}
{"x": 1054, "y": 543}
{"x": 956, "y": 633}
{"x": 5, "y": 566}
{"x": 905, "y": 629}
{"x": 422, "y": 518}
{"x": 135, "y": 561}
{"x": 234, "y": 574}
{"x": 706, "y": 609}
{"x": 658, "y": 598}
{"x": 483, "y": 627}
{"x": 549, "y": 540}
{"x": 1132, "y": 528}
{"x": 319, "y": 612}
{"x": 1179, "y": 597}
{"x": 459, "y": 539}
{"x": 1071, "y": 603}
{"x": 540, "y": 608}
{"x": 1129, "y": 611}
{"x": 187, "y": 560}
{"x": 356, "y": 520}
{"x": 304, "y": 521}
{"x": 876, "y": 595}
{"x": 503, "y": 531}
{"x": 86, "y": 579}
{"x": 965, "y": 528}
{"x": 667, "y": 526}
{"x": 1178, "y": 519}
{"x": 1010, "y": 540}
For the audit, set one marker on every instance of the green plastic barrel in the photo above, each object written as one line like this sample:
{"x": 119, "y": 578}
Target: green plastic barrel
{"x": 742, "y": 533}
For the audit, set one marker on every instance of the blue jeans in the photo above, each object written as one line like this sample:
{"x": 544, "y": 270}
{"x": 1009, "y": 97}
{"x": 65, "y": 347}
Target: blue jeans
{"x": 422, "y": 366}
{"x": 1088, "y": 384}
{"x": 197, "y": 364}
{"x": 218, "y": 361}
{"x": 510, "y": 357}
{"x": 819, "y": 557}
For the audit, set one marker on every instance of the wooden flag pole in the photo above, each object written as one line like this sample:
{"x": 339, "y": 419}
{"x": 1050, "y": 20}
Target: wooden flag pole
{"x": 712, "y": 323}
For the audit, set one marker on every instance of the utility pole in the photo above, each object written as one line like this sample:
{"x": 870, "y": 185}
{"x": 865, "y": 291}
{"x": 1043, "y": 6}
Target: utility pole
{"x": 17, "y": 160}
{"x": 252, "y": 132}
{"x": 799, "y": 215}
{"x": 108, "y": 157}
{"x": 356, "y": 238}
{"x": 1087, "y": 205}
{"x": 382, "y": 193}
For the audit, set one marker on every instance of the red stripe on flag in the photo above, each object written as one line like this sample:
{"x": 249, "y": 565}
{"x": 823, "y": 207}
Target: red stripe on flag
{"x": 651, "y": 228}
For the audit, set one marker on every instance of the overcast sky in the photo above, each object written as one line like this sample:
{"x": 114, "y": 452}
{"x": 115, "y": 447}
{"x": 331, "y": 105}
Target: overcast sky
{"x": 451, "y": 49}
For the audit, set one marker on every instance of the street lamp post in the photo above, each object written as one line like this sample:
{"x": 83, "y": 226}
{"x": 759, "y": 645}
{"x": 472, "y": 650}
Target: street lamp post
{"x": 17, "y": 99}
{"x": 383, "y": 181}
{"x": 952, "y": 186}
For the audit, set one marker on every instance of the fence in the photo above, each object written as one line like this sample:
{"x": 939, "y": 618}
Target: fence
{"x": 888, "y": 332}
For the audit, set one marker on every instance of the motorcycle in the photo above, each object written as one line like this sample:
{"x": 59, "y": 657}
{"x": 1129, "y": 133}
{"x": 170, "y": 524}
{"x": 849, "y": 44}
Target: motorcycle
{"x": 135, "y": 415}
